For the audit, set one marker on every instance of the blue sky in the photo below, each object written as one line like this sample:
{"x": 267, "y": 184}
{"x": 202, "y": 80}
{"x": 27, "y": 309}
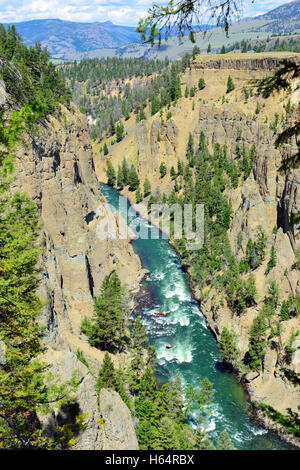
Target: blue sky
{"x": 125, "y": 12}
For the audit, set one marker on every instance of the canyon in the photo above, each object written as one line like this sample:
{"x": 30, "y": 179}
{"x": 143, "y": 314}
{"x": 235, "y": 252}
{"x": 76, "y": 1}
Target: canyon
{"x": 265, "y": 199}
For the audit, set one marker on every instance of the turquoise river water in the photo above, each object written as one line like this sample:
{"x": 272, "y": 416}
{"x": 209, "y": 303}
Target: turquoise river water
{"x": 194, "y": 353}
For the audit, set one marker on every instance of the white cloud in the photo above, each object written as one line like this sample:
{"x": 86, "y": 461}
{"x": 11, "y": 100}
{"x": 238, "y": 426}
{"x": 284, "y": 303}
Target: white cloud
{"x": 125, "y": 12}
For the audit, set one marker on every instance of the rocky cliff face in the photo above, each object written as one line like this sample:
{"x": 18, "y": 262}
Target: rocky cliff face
{"x": 267, "y": 63}
{"x": 267, "y": 198}
{"x": 56, "y": 170}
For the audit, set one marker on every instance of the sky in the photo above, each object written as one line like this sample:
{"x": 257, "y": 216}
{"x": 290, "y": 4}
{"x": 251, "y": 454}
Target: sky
{"x": 122, "y": 12}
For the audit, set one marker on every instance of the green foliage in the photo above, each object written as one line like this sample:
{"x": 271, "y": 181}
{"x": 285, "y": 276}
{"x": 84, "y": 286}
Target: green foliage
{"x": 80, "y": 356}
{"x": 179, "y": 18}
{"x": 272, "y": 261}
{"x": 230, "y": 85}
{"x": 66, "y": 433}
{"x": 162, "y": 413}
{"x": 138, "y": 195}
{"x": 105, "y": 149}
{"x": 289, "y": 349}
{"x": 29, "y": 76}
{"x": 257, "y": 342}
{"x": 133, "y": 179}
{"x": 297, "y": 258}
{"x": 289, "y": 421}
{"x": 147, "y": 187}
{"x": 256, "y": 251}
{"x": 163, "y": 169}
{"x": 138, "y": 343}
{"x": 201, "y": 83}
{"x": 92, "y": 82}
{"x": 229, "y": 351}
{"x": 112, "y": 379}
{"x": 119, "y": 132}
{"x": 110, "y": 173}
{"x": 224, "y": 442}
{"x": 107, "y": 329}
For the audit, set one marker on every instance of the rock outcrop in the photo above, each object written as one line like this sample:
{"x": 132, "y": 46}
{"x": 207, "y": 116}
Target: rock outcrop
{"x": 56, "y": 170}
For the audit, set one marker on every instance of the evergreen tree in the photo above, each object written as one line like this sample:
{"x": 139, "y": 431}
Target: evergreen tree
{"x": 162, "y": 169}
{"x": 173, "y": 173}
{"x": 223, "y": 50}
{"x": 133, "y": 179}
{"x": 196, "y": 51}
{"x": 110, "y": 173}
{"x": 105, "y": 149}
{"x": 112, "y": 129}
{"x": 112, "y": 379}
{"x": 230, "y": 85}
{"x": 120, "y": 178}
{"x": 107, "y": 329}
{"x": 229, "y": 350}
{"x": 119, "y": 132}
{"x": 208, "y": 49}
{"x": 106, "y": 377}
{"x": 201, "y": 83}
{"x": 147, "y": 187}
{"x": 257, "y": 342}
{"x": 125, "y": 172}
{"x": 224, "y": 442}
{"x": 138, "y": 195}
{"x": 272, "y": 261}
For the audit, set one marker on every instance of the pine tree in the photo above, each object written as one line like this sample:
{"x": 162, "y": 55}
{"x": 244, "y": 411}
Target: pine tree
{"x": 201, "y": 83}
{"x": 138, "y": 195}
{"x": 125, "y": 172}
{"x": 190, "y": 155}
{"x": 163, "y": 169}
{"x": 229, "y": 350}
{"x": 147, "y": 187}
{"x": 105, "y": 149}
{"x": 133, "y": 179}
{"x": 223, "y": 50}
{"x": 173, "y": 173}
{"x": 272, "y": 261}
{"x": 138, "y": 342}
{"x": 209, "y": 49}
{"x": 106, "y": 377}
{"x": 284, "y": 311}
{"x": 110, "y": 173}
{"x": 230, "y": 85}
{"x": 107, "y": 329}
{"x": 257, "y": 342}
{"x": 119, "y": 132}
{"x": 112, "y": 128}
{"x": 120, "y": 178}
{"x": 224, "y": 442}
{"x": 167, "y": 435}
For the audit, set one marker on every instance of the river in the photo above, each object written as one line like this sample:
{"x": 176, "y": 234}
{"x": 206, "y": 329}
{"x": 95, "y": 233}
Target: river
{"x": 194, "y": 353}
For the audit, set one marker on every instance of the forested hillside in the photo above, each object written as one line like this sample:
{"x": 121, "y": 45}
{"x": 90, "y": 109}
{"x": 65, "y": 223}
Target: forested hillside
{"x": 109, "y": 90}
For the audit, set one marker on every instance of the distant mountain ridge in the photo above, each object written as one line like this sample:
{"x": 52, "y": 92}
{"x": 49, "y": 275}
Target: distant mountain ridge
{"x": 65, "y": 37}
{"x": 73, "y": 40}
{"x": 283, "y": 19}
